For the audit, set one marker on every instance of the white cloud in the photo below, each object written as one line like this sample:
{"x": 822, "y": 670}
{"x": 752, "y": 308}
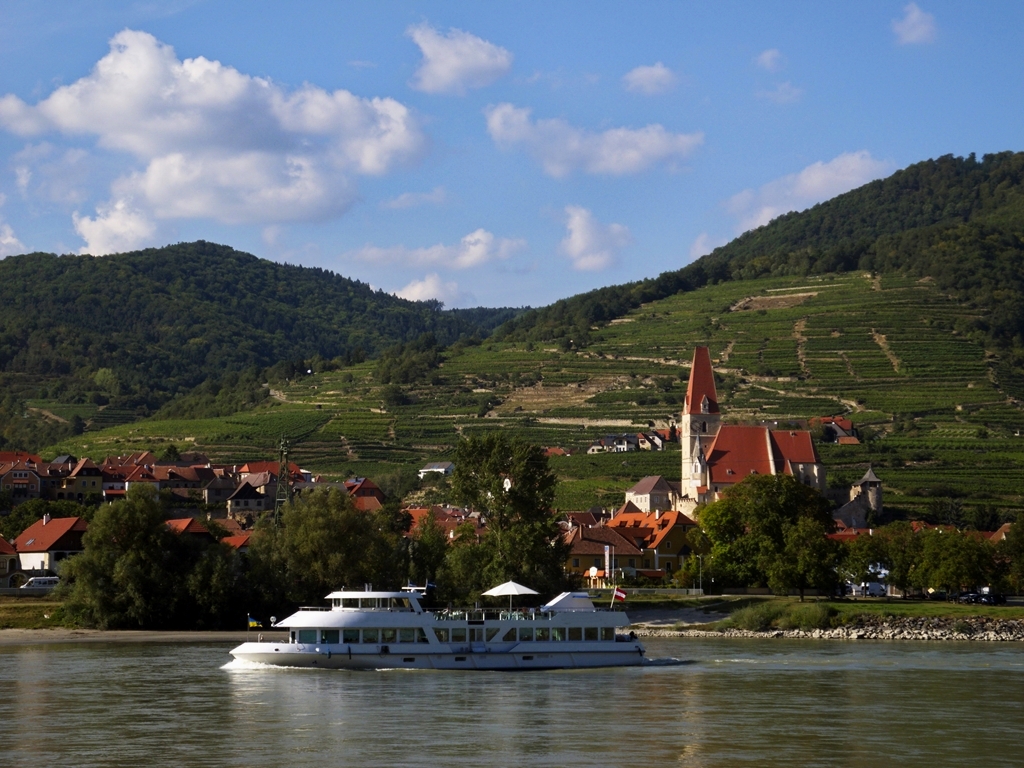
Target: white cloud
{"x": 656, "y": 78}
{"x": 436, "y": 196}
{"x": 915, "y": 27}
{"x": 117, "y": 227}
{"x": 590, "y": 244}
{"x": 9, "y": 244}
{"x": 474, "y": 249}
{"x": 219, "y": 144}
{"x": 430, "y": 287}
{"x": 797, "y": 191}
{"x": 704, "y": 244}
{"x": 783, "y": 93}
{"x": 771, "y": 60}
{"x": 456, "y": 61}
{"x": 562, "y": 149}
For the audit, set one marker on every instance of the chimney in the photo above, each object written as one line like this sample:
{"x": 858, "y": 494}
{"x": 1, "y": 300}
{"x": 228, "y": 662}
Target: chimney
{"x": 46, "y": 518}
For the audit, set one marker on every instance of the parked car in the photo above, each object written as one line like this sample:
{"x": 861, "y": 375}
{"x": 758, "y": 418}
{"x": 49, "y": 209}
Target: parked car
{"x": 41, "y": 582}
{"x": 967, "y": 597}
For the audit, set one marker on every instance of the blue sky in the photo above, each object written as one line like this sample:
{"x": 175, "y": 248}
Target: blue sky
{"x": 498, "y": 154}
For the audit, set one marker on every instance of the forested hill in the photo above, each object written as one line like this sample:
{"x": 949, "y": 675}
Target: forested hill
{"x": 140, "y": 327}
{"x": 957, "y": 220}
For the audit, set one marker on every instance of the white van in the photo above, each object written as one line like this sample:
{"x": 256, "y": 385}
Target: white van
{"x": 41, "y": 582}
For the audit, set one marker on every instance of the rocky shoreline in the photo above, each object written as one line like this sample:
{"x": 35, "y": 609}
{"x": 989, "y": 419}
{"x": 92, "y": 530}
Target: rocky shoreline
{"x": 974, "y": 628}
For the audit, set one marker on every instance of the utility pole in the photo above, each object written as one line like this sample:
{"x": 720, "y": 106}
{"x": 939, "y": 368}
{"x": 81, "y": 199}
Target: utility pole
{"x": 284, "y": 487}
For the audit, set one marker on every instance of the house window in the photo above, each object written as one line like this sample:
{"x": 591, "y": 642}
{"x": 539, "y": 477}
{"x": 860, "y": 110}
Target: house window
{"x": 597, "y": 562}
{"x": 575, "y": 562}
{"x": 647, "y": 563}
{"x": 632, "y": 563}
{"x": 668, "y": 546}
{"x": 668, "y": 567}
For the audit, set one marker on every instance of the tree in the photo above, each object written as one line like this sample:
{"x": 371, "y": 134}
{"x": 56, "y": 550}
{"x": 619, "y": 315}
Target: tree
{"x": 1012, "y": 549}
{"x": 428, "y": 549}
{"x": 952, "y": 561}
{"x": 860, "y": 558}
{"x": 900, "y": 550}
{"x": 771, "y": 529}
{"x": 128, "y": 573}
{"x": 509, "y": 482}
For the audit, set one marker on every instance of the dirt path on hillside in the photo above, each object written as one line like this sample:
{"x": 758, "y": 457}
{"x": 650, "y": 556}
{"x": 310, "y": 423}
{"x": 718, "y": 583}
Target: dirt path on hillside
{"x": 801, "y": 344}
{"x": 882, "y": 342}
{"x": 752, "y": 303}
{"x": 724, "y": 357}
{"x": 48, "y": 415}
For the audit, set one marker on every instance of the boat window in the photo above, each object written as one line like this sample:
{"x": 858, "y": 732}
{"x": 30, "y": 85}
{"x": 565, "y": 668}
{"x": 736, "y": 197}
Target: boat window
{"x": 329, "y": 636}
{"x": 575, "y": 633}
{"x": 459, "y": 635}
{"x": 590, "y": 633}
{"x": 388, "y": 635}
{"x": 370, "y": 635}
{"x": 307, "y": 635}
{"x": 510, "y": 636}
{"x": 607, "y": 633}
{"x": 421, "y": 636}
{"x": 476, "y": 634}
{"x": 407, "y": 635}
{"x": 525, "y": 634}
{"x": 350, "y": 602}
{"x": 543, "y": 634}
{"x": 558, "y": 633}
{"x": 441, "y": 635}
{"x": 492, "y": 632}
{"x": 350, "y": 636}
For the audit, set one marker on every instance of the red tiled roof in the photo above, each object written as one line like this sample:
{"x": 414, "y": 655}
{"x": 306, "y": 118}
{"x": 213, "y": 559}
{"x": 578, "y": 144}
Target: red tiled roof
{"x": 187, "y": 525}
{"x": 40, "y": 536}
{"x": 238, "y": 541}
{"x": 592, "y": 541}
{"x": 795, "y": 446}
{"x": 702, "y": 383}
{"x": 6, "y": 548}
{"x": 737, "y": 452}
{"x": 848, "y": 440}
{"x": 13, "y": 457}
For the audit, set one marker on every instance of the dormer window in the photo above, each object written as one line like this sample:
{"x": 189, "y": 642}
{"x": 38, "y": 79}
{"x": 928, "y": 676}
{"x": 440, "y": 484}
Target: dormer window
{"x": 705, "y": 405}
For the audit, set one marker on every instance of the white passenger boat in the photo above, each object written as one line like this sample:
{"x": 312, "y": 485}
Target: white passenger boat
{"x": 390, "y": 630}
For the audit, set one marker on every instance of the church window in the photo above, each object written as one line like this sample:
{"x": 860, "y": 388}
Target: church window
{"x": 703, "y": 426}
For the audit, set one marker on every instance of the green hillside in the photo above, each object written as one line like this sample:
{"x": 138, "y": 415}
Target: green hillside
{"x": 959, "y": 221}
{"x": 885, "y": 349}
{"x": 125, "y": 333}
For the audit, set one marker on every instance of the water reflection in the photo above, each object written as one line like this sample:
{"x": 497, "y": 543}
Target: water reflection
{"x": 703, "y": 703}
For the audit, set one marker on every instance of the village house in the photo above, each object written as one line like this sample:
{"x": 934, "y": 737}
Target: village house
{"x": 443, "y": 468}
{"x": 8, "y": 563}
{"x": 45, "y": 543}
{"x": 659, "y": 535}
{"x": 586, "y": 558}
{"x": 716, "y": 456}
{"x": 654, "y": 492}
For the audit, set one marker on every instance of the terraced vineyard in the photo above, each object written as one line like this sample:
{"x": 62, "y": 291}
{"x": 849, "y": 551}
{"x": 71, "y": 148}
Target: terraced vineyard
{"x": 885, "y": 350}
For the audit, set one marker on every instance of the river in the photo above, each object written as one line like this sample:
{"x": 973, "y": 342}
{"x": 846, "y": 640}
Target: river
{"x": 699, "y": 703}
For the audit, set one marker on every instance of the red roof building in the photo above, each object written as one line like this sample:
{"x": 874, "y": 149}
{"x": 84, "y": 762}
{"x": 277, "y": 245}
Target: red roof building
{"x": 716, "y": 456}
{"x": 48, "y": 541}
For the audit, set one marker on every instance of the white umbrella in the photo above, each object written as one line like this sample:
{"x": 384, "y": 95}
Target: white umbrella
{"x": 510, "y": 588}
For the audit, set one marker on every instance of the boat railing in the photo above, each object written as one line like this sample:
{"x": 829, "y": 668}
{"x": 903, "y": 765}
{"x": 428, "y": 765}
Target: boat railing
{"x": 490, "y": 614}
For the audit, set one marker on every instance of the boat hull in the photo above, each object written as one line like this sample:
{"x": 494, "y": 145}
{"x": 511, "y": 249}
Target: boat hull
{"x": 620, "y": 654}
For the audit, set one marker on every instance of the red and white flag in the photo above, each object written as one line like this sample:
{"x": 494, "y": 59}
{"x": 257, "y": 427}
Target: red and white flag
{"x": 619, "y": 594}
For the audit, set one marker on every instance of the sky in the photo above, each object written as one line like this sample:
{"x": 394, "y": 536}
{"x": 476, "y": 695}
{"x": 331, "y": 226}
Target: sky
{"x": 481, "y": 154}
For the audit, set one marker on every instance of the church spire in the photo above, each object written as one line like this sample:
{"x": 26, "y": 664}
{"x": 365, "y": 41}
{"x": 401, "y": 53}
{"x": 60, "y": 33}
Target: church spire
{"x": 701, "y": 396}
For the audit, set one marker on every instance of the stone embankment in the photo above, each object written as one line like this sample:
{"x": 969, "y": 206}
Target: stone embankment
{"x": 869, "y": 628}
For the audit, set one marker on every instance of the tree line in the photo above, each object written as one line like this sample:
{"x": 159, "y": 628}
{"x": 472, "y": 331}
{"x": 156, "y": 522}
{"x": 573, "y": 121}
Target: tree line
{"x": 772, "y": 531}
{"x": 135, "y": 572}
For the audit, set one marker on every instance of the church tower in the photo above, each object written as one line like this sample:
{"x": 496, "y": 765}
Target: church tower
{"x": 700, "y": 421}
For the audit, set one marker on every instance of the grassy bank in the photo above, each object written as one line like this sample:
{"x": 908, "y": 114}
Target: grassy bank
{"x": 761, "y": 614}
{"x": 31, "y": 613}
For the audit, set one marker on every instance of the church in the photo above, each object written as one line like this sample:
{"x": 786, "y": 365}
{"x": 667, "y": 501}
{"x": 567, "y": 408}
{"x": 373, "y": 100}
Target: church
{"x": 716, "y": 455}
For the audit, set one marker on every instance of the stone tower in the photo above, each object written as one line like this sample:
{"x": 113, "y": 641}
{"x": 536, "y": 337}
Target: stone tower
{"x": 700, "y": 421}
{"x": 870, "y": 487}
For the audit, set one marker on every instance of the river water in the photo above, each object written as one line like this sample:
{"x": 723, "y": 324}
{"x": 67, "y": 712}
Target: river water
{"x": 699, "y": 703}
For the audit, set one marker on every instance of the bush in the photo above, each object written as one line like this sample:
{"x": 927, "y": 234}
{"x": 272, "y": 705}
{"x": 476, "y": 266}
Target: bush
{"x": 758, "y": 617}
{"x": 809, "y": 617}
